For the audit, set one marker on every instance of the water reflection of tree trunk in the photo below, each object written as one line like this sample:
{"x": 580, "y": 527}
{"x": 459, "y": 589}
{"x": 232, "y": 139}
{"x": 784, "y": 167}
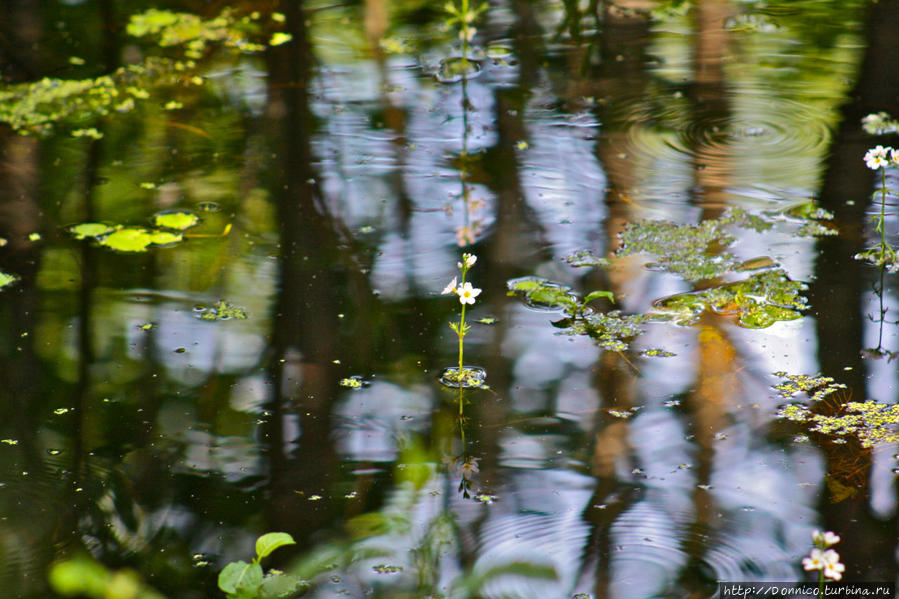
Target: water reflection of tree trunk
{"x": 619, "y": 80}
{"x": 305, "y": 322}
{"x": 839, "y": 287}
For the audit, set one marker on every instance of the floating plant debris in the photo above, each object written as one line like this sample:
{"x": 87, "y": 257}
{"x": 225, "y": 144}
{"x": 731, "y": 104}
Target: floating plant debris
{"x": 657, "y": 353}
{"x": 758, "y": 302}
{"x": 353, "y": 382}
{"x": 818, "y": 387}
{"x": 7, "y": 279}
{"x": 223, "y": 310}
{"x": 472, "y": 377}
{"x": 586, "y": 258}
{"x": 871, "y": 422}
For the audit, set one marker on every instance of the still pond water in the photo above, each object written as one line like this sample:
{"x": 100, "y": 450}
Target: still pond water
{"x": 170, "y": 394}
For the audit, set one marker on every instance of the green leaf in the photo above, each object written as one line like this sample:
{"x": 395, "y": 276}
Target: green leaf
{"x": 128, "y": 239}
{"x": 598, "y": 294}
{"x": 176, "y": 219}
{"x": 277, "y": 585}
{"x": 271, "y": 541}
{"x": 240, "y": 577}
{"x": 84, "y": 230}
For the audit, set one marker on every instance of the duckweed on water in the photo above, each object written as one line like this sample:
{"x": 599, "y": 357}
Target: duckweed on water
{"x": 818, "y": 387}
{"x": 871, "y": 422}
{"x": 223, "y": 310}
{"x": 691, "y": 251}
{"x": 36, "y": 107}
{"x": 192, "y": 32}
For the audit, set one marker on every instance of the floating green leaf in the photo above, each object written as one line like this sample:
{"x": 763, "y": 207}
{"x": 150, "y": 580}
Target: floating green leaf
{"x": 175, "y": 219}
{"x": 85, "y": 230}
{"x": 271, "y": 541}
{"x": 137, "y": 239}
{"x": 543, "y": 294}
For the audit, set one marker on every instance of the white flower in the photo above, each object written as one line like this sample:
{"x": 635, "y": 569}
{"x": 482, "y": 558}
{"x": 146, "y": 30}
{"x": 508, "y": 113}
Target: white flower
{"x": 449, "y": 288}
{"x": 469, "y": 260}
{"x": 876, "y": 158}
{"x": 467, "y": 293}
{"x": 825, "y": 539}
{"x": 832, "y": 567}
{"x": 894, "y": 157}
{"x": 815, "y": 560}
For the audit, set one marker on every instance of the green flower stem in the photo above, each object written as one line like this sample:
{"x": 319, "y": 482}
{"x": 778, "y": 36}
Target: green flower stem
{"x": 461, "y": 333}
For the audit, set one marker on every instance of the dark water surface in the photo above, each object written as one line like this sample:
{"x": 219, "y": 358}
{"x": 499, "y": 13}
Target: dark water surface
{"x": 338, "y": 178}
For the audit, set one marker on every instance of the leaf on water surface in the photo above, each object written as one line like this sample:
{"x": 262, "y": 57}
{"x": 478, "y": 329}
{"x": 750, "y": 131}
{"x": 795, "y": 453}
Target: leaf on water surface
{"x": 271, "y": 541}
{"x": 85, "y": 230}
{"x": 194, "y": 33}
{"x": 138, "y": 239}
{"x": 178, "y": 220}
{"x": 758, "y": 302}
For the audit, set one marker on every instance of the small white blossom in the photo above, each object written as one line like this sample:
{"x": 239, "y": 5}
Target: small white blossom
{"x": 876, "y": 158}
{"x": 894, "y": 157}
{"x": 449, "y": 288}
{"x": 825, "y": 539}
{"x": 833, "y": 569}
{"x": 815, "y": 560}
{"x": 469, "y": 260}
{"x": 467, "y": 293}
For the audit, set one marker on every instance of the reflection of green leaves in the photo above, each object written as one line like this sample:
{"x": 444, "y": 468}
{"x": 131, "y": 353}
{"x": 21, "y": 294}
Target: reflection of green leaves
{"x": 177, "y": 219}
{"x": 757, "y": 302}
{"x": 85, "y": 577}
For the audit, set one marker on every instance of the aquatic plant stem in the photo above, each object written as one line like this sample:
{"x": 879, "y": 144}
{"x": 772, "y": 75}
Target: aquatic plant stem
{"x": 461, "y": 373}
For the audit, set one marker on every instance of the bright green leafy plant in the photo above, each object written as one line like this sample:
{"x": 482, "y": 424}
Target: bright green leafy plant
{"x": 242, "y": 580}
